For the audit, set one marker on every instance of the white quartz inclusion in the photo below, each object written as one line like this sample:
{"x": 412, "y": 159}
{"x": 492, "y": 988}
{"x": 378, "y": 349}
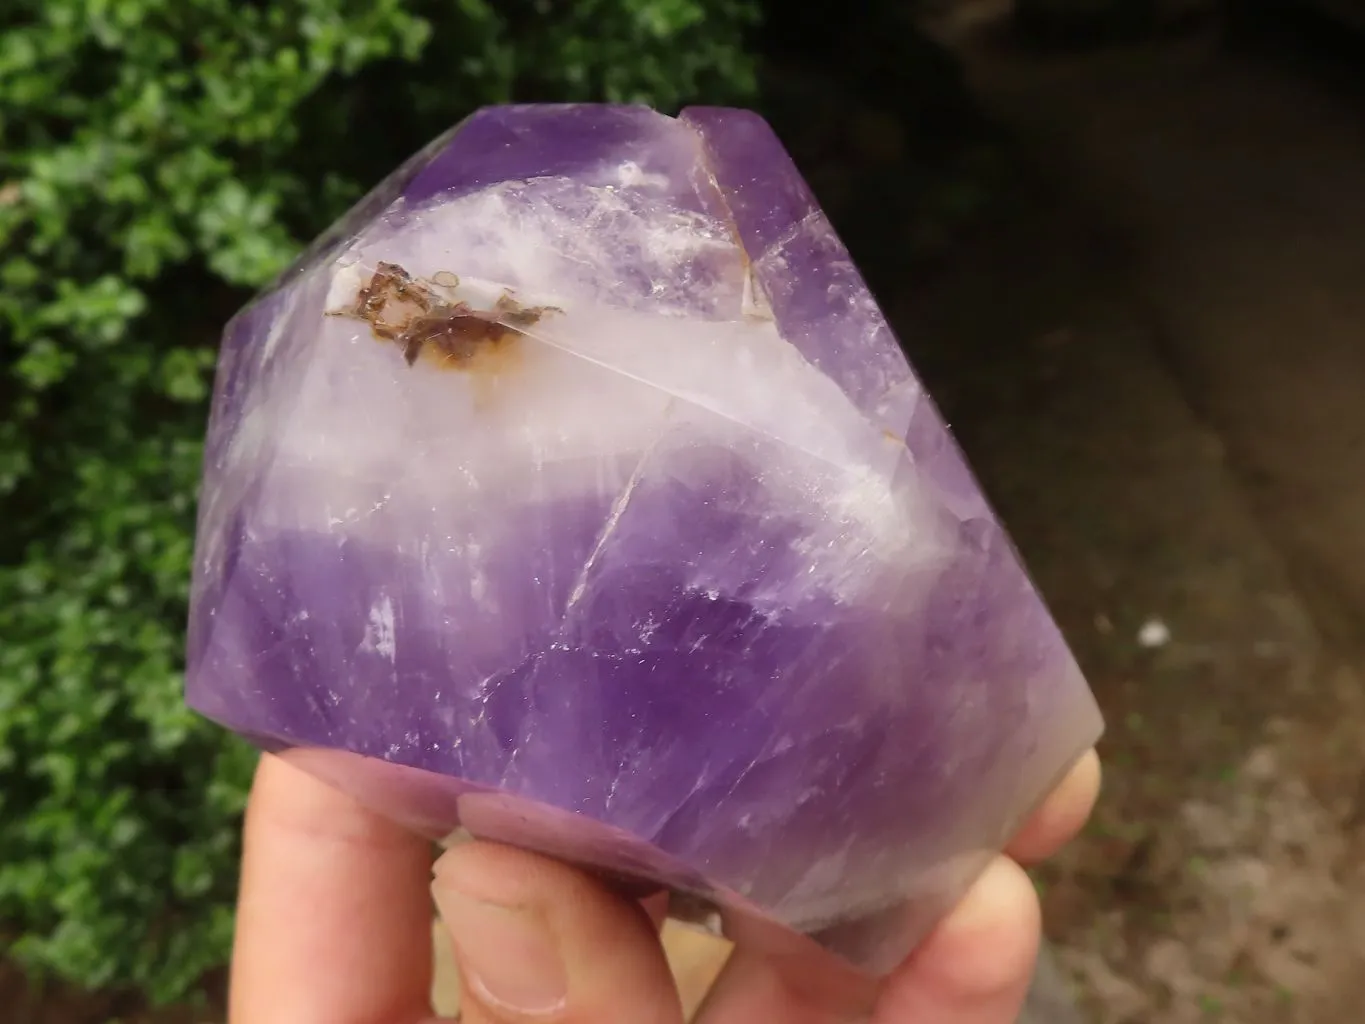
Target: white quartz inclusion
{"x": 653, "y": 328}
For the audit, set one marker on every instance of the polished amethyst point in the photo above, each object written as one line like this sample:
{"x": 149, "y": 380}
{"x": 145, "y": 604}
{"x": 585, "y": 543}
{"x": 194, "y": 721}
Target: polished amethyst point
{"x": 574, "y": 492}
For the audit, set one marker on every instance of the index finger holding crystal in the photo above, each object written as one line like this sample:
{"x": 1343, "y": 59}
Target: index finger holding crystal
{"x": 334, "y": 912}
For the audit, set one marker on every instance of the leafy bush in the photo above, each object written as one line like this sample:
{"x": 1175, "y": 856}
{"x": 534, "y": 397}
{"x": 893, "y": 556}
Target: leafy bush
{"x": 157, "y": 159}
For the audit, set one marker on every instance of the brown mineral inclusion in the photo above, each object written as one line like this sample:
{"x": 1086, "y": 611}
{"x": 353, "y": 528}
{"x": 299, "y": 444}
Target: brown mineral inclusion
{"x": 411, "y": 313}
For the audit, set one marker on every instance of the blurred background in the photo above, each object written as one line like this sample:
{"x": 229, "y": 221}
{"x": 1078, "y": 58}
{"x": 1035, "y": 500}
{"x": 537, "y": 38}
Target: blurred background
{"x": 1122, "y": 240}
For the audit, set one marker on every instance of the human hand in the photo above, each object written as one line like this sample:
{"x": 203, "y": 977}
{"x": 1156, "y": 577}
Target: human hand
{"x": 334, "y": 927}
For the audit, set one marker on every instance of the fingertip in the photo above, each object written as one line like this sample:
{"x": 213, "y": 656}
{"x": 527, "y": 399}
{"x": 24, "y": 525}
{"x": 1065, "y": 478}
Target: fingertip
{"x": 536, "y": 939}
{"x": 501, "y": 874}
{"x": 975, "y": 967}
{"x": 333, "y": 918}
{"x": 989, "y": 942}
{"x": 1062, "y": 814}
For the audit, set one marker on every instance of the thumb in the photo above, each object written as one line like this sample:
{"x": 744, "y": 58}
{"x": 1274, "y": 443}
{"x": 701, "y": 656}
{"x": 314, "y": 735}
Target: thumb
{"x": 541, "y": 943}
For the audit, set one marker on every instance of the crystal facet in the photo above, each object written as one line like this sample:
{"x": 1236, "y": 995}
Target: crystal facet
{"x": 573, "y": 491}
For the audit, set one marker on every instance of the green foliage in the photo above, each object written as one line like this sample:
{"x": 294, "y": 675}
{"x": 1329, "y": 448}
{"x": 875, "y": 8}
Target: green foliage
{"x": 157, "y": 159}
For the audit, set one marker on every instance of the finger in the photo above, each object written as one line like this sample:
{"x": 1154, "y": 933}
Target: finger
{"x": 781, "y": 977}
{"x": 1061, "y": 815}
{"x": 538, "y": 941}
{"x": 334, "y": 917}
{"x": 975, "y": 967}
{"x": 754, "y": 987}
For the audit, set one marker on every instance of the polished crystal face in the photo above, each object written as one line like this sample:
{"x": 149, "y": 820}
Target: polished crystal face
{"x": 574, "y": 491}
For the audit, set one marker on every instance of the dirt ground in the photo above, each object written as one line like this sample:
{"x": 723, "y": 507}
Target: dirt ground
{"x": 1156, "y": 363}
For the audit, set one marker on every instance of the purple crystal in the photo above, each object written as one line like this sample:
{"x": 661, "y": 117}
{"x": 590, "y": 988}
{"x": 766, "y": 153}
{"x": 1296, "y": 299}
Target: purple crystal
{"x": 638, "y": 544}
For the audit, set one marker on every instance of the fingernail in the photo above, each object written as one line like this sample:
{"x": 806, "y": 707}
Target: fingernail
{"x": 507, "y": 954}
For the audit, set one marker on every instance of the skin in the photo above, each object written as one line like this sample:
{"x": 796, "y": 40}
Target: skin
{"x": 334, "y": 927}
